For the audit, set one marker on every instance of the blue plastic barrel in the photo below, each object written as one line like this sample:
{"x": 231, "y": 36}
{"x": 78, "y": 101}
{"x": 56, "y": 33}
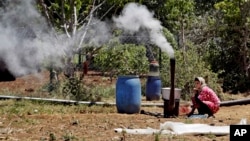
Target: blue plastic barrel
{"x": 153, "y": 88}
{"x": 128, "y": 94}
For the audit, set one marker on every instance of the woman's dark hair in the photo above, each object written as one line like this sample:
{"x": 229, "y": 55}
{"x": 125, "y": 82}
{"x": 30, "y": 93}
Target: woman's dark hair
{"x": 196, "y": 79}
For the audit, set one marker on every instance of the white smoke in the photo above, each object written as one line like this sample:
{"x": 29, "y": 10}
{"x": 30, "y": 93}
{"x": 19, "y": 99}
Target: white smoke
{"x": 27, "y": 41}
{"x": 98, "y": 33}
{"x": 135, "y": 16}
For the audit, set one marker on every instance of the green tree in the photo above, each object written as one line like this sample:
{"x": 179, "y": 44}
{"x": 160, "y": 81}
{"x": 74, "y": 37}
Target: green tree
{"x": 233, "y": 33}
{"x": 179, "y": 15}
{"x": 185, "y": 74}
{"x": 204, "y": 6}
{"x": 122, "y": 59}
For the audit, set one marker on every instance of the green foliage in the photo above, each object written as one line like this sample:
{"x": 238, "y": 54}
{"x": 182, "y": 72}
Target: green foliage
{"x": 72, "y": 87}
{"x": 177, "y": 13}
{"x": 230, "y": 9}
{"x": 186, "y": 71}
{"x": 170, "y": 38}
{"x": 232, "y": 45}
{"x": 97, "y": 93}
{"x": 75, "y": 89}
{"x": 224, "y": 35}
{"x": 204, "y": 6}
{"x": 24, "y": 107}
{"x": 61, "y": 12}
{"x": 120, "y": 2}
{"x": 122, "y": 59}
{"x": 143, "y": 85}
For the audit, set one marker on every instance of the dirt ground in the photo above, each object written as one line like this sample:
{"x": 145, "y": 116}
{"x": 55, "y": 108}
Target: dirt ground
{"x": 100, "y": 126}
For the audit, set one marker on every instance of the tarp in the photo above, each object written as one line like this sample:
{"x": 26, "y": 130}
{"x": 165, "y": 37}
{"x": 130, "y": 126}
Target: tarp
{"x": 179, "y": 128}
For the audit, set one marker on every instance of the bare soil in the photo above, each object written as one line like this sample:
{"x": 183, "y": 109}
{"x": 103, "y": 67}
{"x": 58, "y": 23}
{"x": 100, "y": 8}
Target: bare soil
{"x": 96, "y": 126}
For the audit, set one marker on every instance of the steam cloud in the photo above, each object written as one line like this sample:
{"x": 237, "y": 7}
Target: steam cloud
{"x": 135, "y": 17}
{"x": 27, "y": 41}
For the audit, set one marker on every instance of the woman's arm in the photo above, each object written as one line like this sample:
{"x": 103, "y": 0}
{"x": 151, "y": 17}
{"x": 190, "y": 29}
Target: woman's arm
{"x": 192, "y": 111}
{"x": 194, "y": 106}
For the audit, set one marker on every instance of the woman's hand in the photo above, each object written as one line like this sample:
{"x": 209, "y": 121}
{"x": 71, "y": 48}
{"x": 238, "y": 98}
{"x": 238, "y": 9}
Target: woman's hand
{"x": 195, "y": 90}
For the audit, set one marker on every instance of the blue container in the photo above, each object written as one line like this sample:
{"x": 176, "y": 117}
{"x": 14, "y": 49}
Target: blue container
{"x": 128, "y": 94}
{"x": 153, "y": 88}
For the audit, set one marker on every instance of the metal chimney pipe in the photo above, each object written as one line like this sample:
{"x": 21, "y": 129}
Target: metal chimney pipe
{"x": 170, "y": 107}
{"x": 172, "y": 87}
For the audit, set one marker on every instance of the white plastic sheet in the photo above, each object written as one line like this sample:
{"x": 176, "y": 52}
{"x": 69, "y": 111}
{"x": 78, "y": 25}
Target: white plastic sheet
{"x": 179, "y": 128}
{"x": 143, "y": 131}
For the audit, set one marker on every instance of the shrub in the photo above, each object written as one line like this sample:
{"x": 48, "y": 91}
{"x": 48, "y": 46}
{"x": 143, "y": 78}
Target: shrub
{"x": 122, "y": 59}
{"x": 188, "y": 66}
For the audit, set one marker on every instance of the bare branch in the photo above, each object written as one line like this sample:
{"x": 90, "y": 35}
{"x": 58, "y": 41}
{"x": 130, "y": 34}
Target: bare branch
{"x": 45, "y": 11}
{"x": 107, "y": 12}
{"x": 64, "y": 21}
{"x": 90, "y": 19}
{"x": 91, "y": 13}
{"x": 49, "y": 19}
{"x": 71, "y": 23}
{"x": 75, "y": 21}
{"x": 47, "y": 15}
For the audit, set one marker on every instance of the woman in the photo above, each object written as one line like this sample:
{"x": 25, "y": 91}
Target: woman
{"x": 205, "y": 99}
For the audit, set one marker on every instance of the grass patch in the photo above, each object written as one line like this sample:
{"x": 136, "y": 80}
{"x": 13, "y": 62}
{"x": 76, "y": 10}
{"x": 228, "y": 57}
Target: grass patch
{"x": 28, "y": 107}
{"x": 75, "y": 89}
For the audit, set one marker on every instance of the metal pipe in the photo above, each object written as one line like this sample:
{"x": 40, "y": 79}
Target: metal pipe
{"x": 64, "y": 101}
{"x": 172, "y": 87}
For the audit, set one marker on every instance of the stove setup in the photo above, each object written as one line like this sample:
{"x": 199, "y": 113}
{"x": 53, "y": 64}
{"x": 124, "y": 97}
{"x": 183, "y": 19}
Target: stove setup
{"x": 171, "y": 96}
